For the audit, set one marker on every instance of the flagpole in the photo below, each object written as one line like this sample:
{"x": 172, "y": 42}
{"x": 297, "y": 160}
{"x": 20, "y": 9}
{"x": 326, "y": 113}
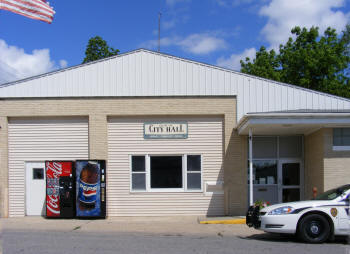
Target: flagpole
{"x": 159, "y": 16}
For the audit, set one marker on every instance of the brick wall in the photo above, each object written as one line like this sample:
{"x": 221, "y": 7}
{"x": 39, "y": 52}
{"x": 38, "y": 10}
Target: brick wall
{"x": 314, "y": 162}
{"x": 3, "y": 167}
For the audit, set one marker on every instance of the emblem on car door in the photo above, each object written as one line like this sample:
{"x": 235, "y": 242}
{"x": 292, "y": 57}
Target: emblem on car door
{"x": 334, "y": 212}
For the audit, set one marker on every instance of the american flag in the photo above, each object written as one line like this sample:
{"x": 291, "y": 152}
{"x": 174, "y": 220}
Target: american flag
{"x": 35, "y": 9}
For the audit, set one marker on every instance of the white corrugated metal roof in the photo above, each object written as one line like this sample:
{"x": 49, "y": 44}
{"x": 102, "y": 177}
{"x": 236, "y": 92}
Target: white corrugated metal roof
{"x": 147, "y": 73}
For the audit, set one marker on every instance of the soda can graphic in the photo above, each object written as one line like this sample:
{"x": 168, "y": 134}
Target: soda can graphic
{"x": 88, "y": 188}
{"x": 87, "y": 195}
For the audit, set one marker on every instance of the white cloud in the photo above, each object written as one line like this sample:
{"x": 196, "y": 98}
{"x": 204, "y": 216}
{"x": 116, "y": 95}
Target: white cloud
{"x": 233, "y": 62}
{"x": 169, "y": 24}
{"x": 173, "y": 2}
{"x": 174, "y": 14}
{"x": 63, "y": 63}
{"x": 175, "y": 19}
{"x": 233, "y": 3}
{"x": 199, "y": 44}
{"x": 222, "y": 3}
{"x": 16, "y": 64}
{"x": 283, "y": 15}
{"x": 164, "y": 42}
{"x": 202, "y": 44}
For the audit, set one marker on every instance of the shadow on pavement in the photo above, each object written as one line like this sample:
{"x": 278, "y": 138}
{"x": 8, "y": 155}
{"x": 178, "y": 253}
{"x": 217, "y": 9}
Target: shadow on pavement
{"x": 283, "y": 238}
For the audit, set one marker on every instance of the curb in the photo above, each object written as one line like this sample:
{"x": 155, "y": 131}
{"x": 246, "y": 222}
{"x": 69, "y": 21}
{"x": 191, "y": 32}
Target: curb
{"x": 234, "y": 221}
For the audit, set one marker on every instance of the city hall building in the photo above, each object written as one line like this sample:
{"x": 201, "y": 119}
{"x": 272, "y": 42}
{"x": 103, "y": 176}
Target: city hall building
{"x": 178, "y": 136}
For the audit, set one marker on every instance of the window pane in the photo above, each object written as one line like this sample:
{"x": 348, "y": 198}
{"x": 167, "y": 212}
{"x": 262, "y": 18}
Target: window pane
{"x": 346, "y": 137}
{"x": 290, "y": 147}
{"x": 291, "y": 195}
{"x": 38, "y": 173}
{"x": 166, "y": 171}
{"x": 265, "y": 172}
{"x": 337, "y": 137}
{"x": 341, "y": 137}
{"x": 194, "y": 181}
{"x": 139, "y": 181}
{"x": 264, "y": 147}
{"x": 138, "y": 164}
{"x": 193, "y": 163}
{"x": 291, "y": 173}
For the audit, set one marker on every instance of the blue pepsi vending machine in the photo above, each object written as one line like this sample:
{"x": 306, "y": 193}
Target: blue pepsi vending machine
{"x": 90, "y": 188}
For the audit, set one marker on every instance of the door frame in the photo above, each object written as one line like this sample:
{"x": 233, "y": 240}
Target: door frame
{"x": 282, "y": 161}
{"x": 31, "y": 164}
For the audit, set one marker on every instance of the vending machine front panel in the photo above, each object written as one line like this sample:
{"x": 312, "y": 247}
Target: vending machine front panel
{"x": 56, "y": 204}
{"x": 89, "y": 189}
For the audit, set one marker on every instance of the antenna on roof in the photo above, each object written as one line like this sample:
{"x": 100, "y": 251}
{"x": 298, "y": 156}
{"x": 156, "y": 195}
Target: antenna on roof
{"x": 159, "y": 16}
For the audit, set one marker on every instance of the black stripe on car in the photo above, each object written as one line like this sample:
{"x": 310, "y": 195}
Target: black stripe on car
{"x": 300, "y": 209}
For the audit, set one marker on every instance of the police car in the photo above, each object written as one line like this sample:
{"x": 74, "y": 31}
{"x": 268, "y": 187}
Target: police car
{"x": 313, "y": 221}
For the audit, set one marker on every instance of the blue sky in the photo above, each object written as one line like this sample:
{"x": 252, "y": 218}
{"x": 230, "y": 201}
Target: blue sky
{"x": 219, "y": 32}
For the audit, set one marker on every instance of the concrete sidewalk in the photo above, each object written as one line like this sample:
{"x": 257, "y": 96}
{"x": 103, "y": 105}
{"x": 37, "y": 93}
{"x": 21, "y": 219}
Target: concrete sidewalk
{"x": 180, "y": 225}
{"x": 222, "y": 220}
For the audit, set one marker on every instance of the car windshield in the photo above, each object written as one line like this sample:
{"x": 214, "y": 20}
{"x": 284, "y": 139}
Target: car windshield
{"x": 333, "y": 193}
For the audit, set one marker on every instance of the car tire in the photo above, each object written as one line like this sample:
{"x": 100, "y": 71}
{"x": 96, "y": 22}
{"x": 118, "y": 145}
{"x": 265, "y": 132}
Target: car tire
{"x": 314, "y": 228}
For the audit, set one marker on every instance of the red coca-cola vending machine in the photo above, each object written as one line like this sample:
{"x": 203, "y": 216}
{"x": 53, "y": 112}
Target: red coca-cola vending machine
{"x": 60, "y": 189}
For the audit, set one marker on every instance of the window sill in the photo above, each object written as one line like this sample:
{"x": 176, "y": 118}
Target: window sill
{"x": 341, "y": 148}
{"x": 165, "y": 191}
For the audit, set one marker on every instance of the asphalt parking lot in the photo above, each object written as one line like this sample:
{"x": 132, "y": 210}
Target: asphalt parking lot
{"x": 148, "y": 235}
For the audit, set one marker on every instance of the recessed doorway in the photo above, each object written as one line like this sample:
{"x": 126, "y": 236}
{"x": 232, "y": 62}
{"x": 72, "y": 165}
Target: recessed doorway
{"x": 277, "y": 169}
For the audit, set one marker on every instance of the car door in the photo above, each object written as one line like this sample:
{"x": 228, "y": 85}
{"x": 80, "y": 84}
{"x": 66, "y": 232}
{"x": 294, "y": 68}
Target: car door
{"x": 342, "y": 213}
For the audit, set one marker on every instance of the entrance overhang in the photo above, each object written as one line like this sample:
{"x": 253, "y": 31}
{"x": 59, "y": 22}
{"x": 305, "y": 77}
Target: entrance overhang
{"x": 291, "y": 123}
{"x": 286, "y": 123}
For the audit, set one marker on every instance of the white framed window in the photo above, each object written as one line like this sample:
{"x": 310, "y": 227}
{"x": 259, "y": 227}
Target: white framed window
{"x": 194, "y": 172}
{"x": 341, "y": 139}
{"x": 138, "y": 172}
{"x": 166, "y": 173}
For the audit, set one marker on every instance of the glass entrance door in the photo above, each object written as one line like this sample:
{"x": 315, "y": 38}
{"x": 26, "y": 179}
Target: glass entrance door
{"x": 290, "y": 180}
{"x": 265, "y": 181}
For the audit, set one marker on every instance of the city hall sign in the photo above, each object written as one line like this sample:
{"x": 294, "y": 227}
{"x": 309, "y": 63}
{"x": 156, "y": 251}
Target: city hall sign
{"x": 165, "y": 130}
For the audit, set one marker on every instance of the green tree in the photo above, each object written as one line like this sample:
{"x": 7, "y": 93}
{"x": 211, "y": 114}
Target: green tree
{"x": 98, "y": 48}
{"x": 266, "y": 64}
{"x": 310, "y": 60}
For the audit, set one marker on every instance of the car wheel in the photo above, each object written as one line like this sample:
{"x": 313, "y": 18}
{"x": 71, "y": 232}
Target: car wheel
{"x": 314, "y": 228}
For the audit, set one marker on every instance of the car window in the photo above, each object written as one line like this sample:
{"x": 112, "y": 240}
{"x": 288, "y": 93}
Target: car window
{"x": 333, "y": 193}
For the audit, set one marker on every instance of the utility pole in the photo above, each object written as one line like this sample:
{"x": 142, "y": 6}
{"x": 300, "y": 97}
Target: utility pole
{"x": 159, "y": 16}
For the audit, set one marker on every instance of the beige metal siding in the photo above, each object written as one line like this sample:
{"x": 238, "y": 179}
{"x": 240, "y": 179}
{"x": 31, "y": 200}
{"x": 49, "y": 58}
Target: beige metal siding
{"x": 40, "y": 140}
{"x": 125, "y": 137}
{"x": 146, "y": 73}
